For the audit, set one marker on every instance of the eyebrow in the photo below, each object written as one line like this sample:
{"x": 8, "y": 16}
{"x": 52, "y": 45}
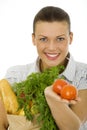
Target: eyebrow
{"x": 56, "y": 36}
{"x": 61, "y": 35}
{"x": 42, "y": 35}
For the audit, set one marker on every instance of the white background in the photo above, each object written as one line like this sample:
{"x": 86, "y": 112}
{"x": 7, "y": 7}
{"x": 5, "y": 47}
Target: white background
{"x": 16, "y": 18}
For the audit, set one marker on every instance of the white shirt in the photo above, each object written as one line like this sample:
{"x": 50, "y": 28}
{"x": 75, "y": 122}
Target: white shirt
{"x": 75, "y": 73}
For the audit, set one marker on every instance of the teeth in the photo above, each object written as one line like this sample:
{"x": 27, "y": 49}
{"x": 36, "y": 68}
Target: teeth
{"x": 52, "y": 55}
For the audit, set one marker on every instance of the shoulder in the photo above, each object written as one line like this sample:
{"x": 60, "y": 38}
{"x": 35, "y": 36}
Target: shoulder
{"x": 77, "y": 66}
{"x": 19, "y": 72}
{"x": 81, "y": 67}
{"x": 20, "y": 68}
{"x": 81, "y": 75}
{"x": 76, "y": 73}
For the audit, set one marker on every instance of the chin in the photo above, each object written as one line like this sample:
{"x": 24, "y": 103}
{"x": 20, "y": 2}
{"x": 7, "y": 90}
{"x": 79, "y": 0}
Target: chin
{"x": 52, "y": 65}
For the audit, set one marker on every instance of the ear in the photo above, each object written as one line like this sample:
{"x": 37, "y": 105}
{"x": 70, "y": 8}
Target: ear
{"x": 33, "y": 39}
{"x": 71, "y": 37}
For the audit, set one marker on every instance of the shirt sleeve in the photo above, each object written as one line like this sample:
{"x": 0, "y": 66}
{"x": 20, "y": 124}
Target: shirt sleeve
{"x": 20, "y": 72}
{"x": 15, "y": 74}
{"x": 80, "y": 79}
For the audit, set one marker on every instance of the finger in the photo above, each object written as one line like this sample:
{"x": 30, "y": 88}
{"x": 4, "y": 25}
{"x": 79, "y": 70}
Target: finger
{"x": 78, "y": 99}
{"x": 66, "y": 101}
{"x": 50, "y": 93}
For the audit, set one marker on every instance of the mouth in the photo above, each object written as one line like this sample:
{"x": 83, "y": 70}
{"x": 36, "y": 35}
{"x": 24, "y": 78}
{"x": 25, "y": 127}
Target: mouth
{"x": 52, "y": 56}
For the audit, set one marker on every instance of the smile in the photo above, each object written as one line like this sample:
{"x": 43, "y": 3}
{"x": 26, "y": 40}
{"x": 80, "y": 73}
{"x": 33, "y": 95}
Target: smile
{"x": 52, "y": 56}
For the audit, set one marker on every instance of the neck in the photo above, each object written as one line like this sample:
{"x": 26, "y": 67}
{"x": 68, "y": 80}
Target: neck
{"x": 65, "y": 63}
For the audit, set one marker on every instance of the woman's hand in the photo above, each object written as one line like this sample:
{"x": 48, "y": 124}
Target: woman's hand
{"x": 3, "y": 117}
{"x": 61, "y": 111}
{"x": 49, "y": 91}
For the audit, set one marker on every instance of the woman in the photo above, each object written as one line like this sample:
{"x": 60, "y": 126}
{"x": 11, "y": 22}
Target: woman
{"x": 52, "y": 36}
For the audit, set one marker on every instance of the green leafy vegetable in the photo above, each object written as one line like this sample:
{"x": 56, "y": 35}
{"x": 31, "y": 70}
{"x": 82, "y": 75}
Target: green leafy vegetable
{"x": 30, "y": 94}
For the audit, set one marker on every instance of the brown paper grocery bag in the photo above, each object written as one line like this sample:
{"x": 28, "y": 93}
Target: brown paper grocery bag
{"x": 17, "y": 122}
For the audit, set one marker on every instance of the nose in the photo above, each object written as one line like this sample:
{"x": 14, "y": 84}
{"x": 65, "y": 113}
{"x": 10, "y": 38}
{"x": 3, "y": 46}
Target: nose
{"x": 52, "y": 45}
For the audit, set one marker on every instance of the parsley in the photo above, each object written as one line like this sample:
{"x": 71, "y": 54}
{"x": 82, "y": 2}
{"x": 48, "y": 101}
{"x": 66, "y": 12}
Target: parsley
{"x": 33, "y": 102}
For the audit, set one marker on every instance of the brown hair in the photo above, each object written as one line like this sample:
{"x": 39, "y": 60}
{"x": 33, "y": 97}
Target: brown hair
{"x": 51, "y": 14}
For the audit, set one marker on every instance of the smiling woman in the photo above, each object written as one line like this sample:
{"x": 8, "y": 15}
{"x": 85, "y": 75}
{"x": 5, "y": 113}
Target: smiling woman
{"x": 15, "y": 30}
{"x": 52, "y": 41}
{"x": 52, "y": 35}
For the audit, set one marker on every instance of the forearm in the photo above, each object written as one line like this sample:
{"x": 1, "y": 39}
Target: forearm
{"x": 80, "y": 108}
{"x": 3, "y": 128}
{"x": 3, "y": 121}
{"x": 3, "y": 117}
{"x": 65, "y": 118}
{"x": 3, "y": 125}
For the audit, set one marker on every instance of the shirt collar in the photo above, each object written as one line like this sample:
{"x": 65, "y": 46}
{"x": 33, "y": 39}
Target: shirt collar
{"x": 37, "y": 64}
{"x": 69, "y": 71}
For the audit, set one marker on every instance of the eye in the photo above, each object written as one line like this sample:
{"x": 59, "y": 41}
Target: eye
{"x": 59, "y": 39}
{"x": 43, "y": 39}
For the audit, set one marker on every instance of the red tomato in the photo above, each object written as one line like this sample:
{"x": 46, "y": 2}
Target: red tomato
{"x": 22, "y": 96}
{"x": 69, "y": 92}
{"x": 58, "y": 85}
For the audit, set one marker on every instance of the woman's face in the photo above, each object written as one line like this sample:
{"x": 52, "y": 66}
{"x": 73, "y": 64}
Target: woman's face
{"x": 52, "y": 41}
